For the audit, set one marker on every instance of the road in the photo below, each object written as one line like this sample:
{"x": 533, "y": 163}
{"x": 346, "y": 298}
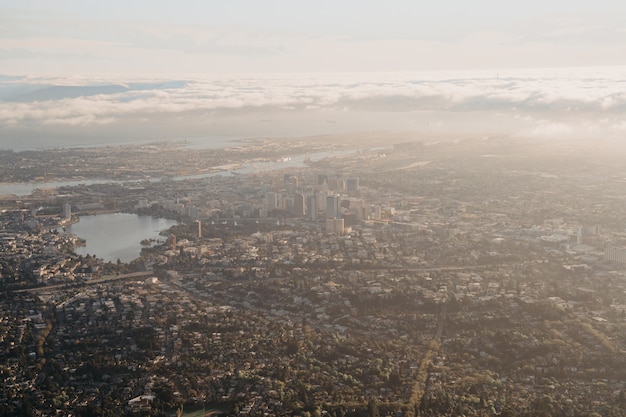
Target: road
{"x": 102, "y": 280}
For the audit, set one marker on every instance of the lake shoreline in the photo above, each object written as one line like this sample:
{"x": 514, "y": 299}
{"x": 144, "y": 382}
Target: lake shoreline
{"x": 117, "y": 235}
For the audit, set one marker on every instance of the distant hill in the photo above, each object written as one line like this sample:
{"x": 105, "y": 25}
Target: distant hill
{"x": 10, "y": 77}
{"x": 58, "y": 92}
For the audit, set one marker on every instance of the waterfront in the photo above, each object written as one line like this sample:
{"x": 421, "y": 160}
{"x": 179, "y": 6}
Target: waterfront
{"x": 117, "y": 235}
{"x": 27, "y": 188}
{"x": 296, "y": 161}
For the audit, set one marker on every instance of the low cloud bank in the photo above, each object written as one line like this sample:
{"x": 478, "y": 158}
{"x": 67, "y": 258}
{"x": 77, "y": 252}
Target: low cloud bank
{"x": 546, "y": 103}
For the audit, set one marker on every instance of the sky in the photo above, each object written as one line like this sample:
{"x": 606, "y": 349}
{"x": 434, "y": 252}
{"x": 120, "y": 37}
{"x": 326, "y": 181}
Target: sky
{"x": 82, "y": 71}
{"x": 285, "y": 36}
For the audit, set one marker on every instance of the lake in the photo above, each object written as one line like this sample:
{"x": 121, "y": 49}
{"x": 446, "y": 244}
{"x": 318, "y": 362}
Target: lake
{"x": 117, "y": 235}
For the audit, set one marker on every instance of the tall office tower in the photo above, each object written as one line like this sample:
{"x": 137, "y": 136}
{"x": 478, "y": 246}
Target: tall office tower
{"x": 284, "y": 202}
{"x": 291, "y": 183}
{"x": 375, "y": 212}
{"x": 352, "y": 184}
{"x": 349, "y": 219}
{"x": 192, "y": 212}
{"x": 298, "y": 204}
{"x": 67, "y": 211}
{"x": 290, "y": 179}
{"x": 311, "y": 207}
{"x": 333, "y": 206}
{"x": 272, "y": 200}
{"x": 335, "y": 226}
{"x": 320, "y": 198}
{"x": 199, "y": 229}
{"x": 356, "y": 207}
{"x": 322, "y": 179}
{"x": 287, "y": 204}
{"x": 336, "y": 183}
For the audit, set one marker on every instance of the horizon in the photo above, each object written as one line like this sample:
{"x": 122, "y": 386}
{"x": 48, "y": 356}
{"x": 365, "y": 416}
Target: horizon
{"x": 425, "y": 72}
{"x": 560, "y": 103}
{"x": 276, "y": 68}
{"x": 335, "y": 208}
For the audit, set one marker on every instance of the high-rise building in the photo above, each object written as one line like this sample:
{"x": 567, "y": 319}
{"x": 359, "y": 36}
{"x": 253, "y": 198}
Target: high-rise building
{"x": 349, "y": 219}
{"x": 356, "y": 207}
{"x": 291, "y": 179}
{"x": 291, "y": 183}
{"x": 334, "y": 226}
{"x": 298, "y": 204}
{"x": 67, "y": 211}
{"x": 321, "y": 200}
{"x": 272, "y": 200}
{"x": 192, "y": 212}
{"x": 333, "y": 206}
{"x": 352, "y": 184}
{"x": 287, "y": 203}
{"x": 311, "y": 207}
{"x": 375, "y": 212}
{"x": 336, "y": 183}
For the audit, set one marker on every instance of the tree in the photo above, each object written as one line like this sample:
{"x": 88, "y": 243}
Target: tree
{"x": 543, "y": 406}
{"x": 372, "y": 408}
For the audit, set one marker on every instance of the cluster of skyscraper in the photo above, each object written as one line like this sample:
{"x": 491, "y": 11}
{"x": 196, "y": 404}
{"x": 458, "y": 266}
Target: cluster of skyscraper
{"x": 321, "y": 202}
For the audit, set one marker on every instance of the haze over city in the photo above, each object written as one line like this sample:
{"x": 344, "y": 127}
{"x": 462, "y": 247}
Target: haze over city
{"x": 306, "y": 209}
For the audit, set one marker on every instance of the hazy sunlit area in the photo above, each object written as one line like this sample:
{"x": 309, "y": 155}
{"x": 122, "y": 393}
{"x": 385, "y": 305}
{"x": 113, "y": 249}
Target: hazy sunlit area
{"x": 344, "y": 209}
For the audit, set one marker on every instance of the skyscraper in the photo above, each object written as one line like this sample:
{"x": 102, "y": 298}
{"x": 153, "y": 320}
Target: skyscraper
{"x": 67, "y": 211}
{"x": 352, "y": 184}
{"x": 311, "y": 207}
{"x": 272, "y": 200}
{"x": 298, "y": 204}
{"x": 335, "y": 226}
{"x": 333, "y": 206}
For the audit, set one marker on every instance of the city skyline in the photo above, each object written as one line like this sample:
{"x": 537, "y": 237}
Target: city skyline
{"x": 337, "y": 209}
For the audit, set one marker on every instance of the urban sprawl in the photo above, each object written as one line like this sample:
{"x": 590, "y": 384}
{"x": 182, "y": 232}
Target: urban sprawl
{"x": 374, "y": 275}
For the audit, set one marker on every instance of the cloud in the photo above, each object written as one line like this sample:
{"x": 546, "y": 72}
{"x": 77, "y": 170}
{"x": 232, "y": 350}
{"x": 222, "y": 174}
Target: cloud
{"x": 549, "y": 102}
{"x": 546, "y": 129}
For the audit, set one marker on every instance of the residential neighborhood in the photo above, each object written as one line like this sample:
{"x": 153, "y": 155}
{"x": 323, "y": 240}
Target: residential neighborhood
{"x": 474, "y": 278}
